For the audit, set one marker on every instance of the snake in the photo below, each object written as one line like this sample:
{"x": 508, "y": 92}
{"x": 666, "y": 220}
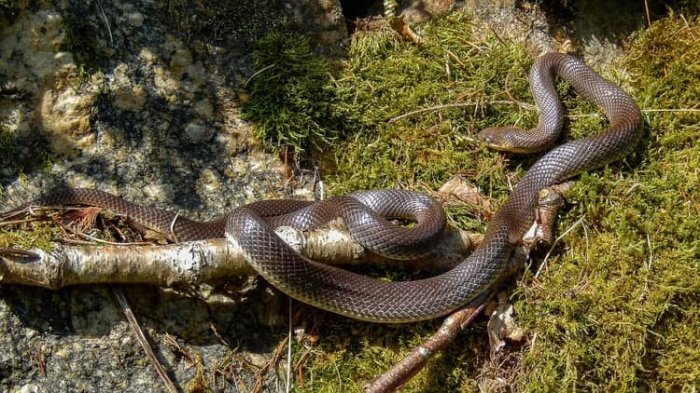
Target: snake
{"x": 367, "y": 213}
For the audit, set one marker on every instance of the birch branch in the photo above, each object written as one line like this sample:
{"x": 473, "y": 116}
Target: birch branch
{"x": 190, "y": 263}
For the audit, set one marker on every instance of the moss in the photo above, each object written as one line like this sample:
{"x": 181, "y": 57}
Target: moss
{"x": 612, "y": 312}
{"x": 293, "y": 101}
{"x": 388, "y": 79}
{"x": 616, "y": 307}
{"x": 36, "y": 235}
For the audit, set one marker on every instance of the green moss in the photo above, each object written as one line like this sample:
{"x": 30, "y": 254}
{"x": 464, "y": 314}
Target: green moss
{"x": 390, "y": 79}
{"x": 387, "y": 78}
{"x": 293, "y": 101}
{"x": 351, "y": 353}
{"x": 37, "y": 235}
{"x": 616, "y": 308}
{"x": 612, "y": 311}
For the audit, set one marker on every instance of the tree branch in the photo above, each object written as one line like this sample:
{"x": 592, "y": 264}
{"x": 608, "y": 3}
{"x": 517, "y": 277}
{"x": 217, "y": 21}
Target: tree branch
{"x": 206, "y": 261}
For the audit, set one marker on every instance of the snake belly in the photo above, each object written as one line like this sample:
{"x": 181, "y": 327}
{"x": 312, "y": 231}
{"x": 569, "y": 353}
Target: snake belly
{"x": 360, "y": 297}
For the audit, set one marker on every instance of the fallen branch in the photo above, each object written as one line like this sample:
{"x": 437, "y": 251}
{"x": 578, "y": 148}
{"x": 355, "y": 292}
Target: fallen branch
{"x": 190, "y": 263}
{"x": 409, "y": 366}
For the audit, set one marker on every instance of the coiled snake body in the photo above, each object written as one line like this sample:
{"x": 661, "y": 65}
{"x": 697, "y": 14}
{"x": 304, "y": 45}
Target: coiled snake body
{"x": 365, "y": 298}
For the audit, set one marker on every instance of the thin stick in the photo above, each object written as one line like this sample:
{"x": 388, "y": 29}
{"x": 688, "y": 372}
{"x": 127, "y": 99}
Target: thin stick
{"x": 104, "y": 17}
{"x": 256, "y": 73}
{"x": 100, "y": 241}
{"x": 30, "y": 211}
{"x": 141, "y": 337}
{"x": 340, "y": 379}
{"x": 556, "y": 241}
{"x": 692, "y": 110}
{"x": 646, "y": 12}
{"x": 455, "y": 58}
{"x": 498, "y": 37}
{"x": 687, "y": 25}
{"x": 262, "y": 373}
{"x": 172, "y": 228}
{"x": 459, "y": 105}
{"x": 650, "y": 260}
{"x": 17, "y": 222}
{"x": 507, "y": 89}
{"x": 522, "y": 105}
{"x": 398, "y": 375}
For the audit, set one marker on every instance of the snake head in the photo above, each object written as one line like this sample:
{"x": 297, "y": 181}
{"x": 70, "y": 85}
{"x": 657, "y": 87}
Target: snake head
{"x": 502, "y": 138}
{"x": 515, "y": 140}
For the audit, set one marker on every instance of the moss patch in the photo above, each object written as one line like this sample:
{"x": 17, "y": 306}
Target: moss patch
{"x": 293, "y": 101}
{"x": 615, "y": 309}
{"x": 420, "y": 108}
{"x": 35, "y": 235}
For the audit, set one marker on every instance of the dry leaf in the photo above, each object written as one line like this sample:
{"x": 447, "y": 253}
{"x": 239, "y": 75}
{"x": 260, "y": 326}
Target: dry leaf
{"x": 502, "y": 328}
{"x": 459, "y": 191}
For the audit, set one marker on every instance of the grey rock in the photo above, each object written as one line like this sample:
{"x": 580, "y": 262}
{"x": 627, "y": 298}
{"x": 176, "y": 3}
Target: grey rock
{"x": 139, "y": 98}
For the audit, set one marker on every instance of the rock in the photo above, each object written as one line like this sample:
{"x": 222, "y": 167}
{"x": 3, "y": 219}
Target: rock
{"x": 135, "y": 19}
{"x": 65, "y": 117}
{"x": 198, "y": 133}
{"x": 29, "y": 388}
{"x": 139, "y": 99}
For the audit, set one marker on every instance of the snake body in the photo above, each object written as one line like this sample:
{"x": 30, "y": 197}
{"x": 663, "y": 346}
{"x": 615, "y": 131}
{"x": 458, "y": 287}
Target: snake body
{"x": 365, "y": 298}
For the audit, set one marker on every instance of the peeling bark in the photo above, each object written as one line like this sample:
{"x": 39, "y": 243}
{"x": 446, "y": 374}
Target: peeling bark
{"x": 189, "y": 263}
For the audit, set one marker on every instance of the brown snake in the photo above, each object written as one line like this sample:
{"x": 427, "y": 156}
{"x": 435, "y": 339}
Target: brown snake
{"x": 365, "y": 298}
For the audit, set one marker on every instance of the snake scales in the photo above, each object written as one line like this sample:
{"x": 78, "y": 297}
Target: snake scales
{"x": 365, "y": 298}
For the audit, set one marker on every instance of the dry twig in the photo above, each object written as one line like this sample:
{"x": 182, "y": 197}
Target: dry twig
{"x": 417, "y": 359}
{"x": 459, "y": 105}
{"x": 141, "y": 338}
